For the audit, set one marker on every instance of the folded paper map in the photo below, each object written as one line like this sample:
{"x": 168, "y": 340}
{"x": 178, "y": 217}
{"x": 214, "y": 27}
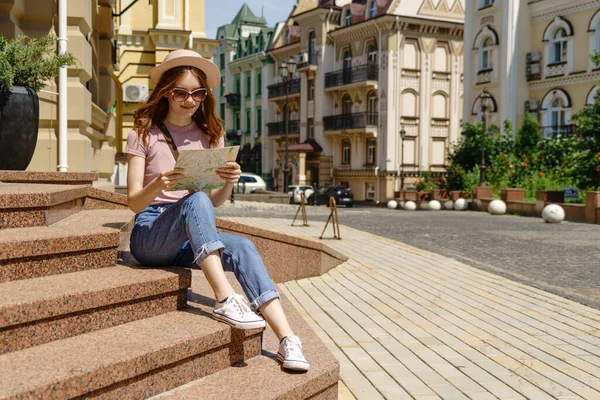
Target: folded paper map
{"x": 200, "y": 167}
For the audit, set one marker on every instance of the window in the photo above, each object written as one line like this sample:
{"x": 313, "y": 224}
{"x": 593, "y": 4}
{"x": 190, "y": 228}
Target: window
{"x": 237, "y": 125}
{"x": 311, "y": 89}
{"x": 312, "y": 46}
{"x": 311, "y": 128}
{"x": 348, "y": 18}
{"x": 345, "y": 151}
{"x": 346, "y": 104}
{"x": 373, "y": 53}
{"x": 259, "y": 121}
{"x": 558, "y": 113}
{"x": 486, "y": 54}
{"x": 222, "y": 61}
{"x": 373, "y": 11}
{"x": 369, "y": 191}
{"x": 236, "y": 84}
{"x": 258, "y": 82}
{"x": 222, "y": 111}
{"x": 222, "y": 86}
{"x": 485, "y": 3}
{"x": 559, "y": 46}
{"x": 248, "y": 121}
{"x": 371, "y": 151}
{"x": 248, "y": 85}
{"x": 347, "y": 59}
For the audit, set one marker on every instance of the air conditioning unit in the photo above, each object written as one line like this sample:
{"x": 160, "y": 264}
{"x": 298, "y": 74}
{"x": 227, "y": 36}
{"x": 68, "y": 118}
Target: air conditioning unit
{"x": 535, "y": 56}
{"x": 135, "y": 92}
{"x": 534, "y": 104}
{"x": 303, "y": 58}
{"x": 533, "y": 69}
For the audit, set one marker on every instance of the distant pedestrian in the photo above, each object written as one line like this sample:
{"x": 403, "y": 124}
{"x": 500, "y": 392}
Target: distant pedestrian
{"x": 179, "y": 228}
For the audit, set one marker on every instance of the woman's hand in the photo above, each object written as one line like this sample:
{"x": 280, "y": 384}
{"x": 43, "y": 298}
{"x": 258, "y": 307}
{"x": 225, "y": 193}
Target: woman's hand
{"x": 231, "y": 173}
{"x": 168, "y": 179}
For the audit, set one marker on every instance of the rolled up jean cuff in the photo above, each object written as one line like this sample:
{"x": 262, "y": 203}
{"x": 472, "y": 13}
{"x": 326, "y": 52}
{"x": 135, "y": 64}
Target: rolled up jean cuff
{"x": 206, "y": 249}
{"x": 264, "y": 298}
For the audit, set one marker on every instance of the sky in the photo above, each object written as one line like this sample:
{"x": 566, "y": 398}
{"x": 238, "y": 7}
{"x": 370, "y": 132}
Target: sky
{"x": 221, "y": 12}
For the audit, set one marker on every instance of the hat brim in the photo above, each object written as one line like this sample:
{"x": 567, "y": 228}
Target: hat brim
{"x": 213, "y": 75}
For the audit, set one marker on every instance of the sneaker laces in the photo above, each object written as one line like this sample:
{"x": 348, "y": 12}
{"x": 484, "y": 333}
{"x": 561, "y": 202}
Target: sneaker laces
{"x": 239, "y": 303}
{"x": 293, "y": 346}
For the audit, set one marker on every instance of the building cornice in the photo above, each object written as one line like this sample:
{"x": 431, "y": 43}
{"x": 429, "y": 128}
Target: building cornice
{"x": 567, "y": 80}
{"x": 252, "y": 61}
{"x": 317, "y": 15}
{"x": 285, "y": 51}
{"x": 549, "y": 9}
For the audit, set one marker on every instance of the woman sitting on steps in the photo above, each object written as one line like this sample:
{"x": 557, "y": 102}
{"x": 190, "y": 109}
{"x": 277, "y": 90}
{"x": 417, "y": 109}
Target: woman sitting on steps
{"x": 179, "y": 228}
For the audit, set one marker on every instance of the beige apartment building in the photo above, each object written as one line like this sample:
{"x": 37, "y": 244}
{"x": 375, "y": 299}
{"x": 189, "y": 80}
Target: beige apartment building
{"x": 368, "y": 69}
{"x": 532, "y": 56}
{"x": 91, "y": 89}
{"x": 146, "y": 33}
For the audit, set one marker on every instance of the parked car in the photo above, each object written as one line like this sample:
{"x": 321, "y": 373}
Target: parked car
{"x": 342, "y": 195}
{"x": 249, "y": 183}
{"x": 295, "y": 190}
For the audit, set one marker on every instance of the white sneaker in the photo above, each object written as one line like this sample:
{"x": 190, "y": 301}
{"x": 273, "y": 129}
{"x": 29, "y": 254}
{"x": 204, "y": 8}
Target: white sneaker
{"x": 237, "y": 313}
{"x": 290, "y": 354}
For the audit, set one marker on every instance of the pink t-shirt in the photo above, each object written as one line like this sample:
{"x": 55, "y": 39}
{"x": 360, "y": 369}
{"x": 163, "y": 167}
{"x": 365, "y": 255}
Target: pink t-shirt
{"x": 159, "y": 157}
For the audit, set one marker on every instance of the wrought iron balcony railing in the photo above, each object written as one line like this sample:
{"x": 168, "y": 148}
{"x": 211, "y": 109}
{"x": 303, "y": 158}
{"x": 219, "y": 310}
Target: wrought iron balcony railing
{"x": 233, "y": 100}
{"x": 554, "y": 131}
{"x": 278, "y": 128}
{"x": 279, "y": 89}
{"x": 366, "y": 72}
{"x": 350, "y": 121}
{"x": 311, "y": 59}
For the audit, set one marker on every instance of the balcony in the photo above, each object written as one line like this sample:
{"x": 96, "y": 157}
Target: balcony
{"x": 554, "y": 131}
{"x": 348, "y": 76}
{"x": 309, "y": 63}
{"x": 350, "y": 121}
{"x": 279, "y": 89}
{"x": 484, "y": 76}
{"x": 278, "y": 128}
{"x": 233, "y": 100}
{"x": 231, "y": 136}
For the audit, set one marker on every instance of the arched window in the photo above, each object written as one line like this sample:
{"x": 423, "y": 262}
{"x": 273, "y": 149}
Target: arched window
{"x": 556, "y": 108}
{"x": 372, "y": 108}
{"x": 372, "y": 53}
{"x": 347, "y": 59}
{"x": 558, "y": 112}
{"x": 559, "y": 46}
{"x": 440, "y": 106}
{"x": 312, "y": 56}
{"x": 592, "y": 96}
{"x": 409, "y": 104}
{"x": 346, "y": 104}
{"x": 373, "y": 10}
{"x": 486, "y": 54}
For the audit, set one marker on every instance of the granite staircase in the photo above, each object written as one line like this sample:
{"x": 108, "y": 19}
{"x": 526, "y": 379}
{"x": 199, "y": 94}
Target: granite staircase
{"x": 79, "y": 320}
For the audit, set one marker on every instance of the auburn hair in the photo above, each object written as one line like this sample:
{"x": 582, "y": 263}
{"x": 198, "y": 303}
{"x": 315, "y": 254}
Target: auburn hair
{"x": 156, "y": 108}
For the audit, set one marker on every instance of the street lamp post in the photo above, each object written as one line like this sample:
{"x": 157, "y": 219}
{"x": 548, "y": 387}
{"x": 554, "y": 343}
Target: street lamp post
{"x": 287, "y": 71}
{"x": 402, "y": 136}
{"x": 484, "y": 98}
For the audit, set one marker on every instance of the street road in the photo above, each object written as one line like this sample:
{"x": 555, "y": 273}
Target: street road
{"x": 563, "y": 259}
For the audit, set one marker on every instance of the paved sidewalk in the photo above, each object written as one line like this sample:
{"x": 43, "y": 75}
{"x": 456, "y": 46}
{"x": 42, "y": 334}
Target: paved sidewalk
{"x": 409, "y": 324}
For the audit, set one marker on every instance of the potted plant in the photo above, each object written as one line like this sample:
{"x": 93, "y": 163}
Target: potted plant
{"x": 424, "y": 187}
{"x": 25, "y": 66}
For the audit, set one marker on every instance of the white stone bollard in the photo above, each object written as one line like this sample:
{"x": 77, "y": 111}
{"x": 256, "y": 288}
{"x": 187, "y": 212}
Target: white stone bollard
{"x": 435, "y": 205}
{"x": 497, "y": 207}
{"x": 449, "y": 205}
{"x": 461, "y": 204}
{"x": 424, "y": 205}
{"x": 553, "y": 213}
{"x": 393, "y": 204}
{"x": 410, "y": 206}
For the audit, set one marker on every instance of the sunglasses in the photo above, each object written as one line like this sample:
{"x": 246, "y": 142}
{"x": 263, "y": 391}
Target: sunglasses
{"x": 181, "y": 95}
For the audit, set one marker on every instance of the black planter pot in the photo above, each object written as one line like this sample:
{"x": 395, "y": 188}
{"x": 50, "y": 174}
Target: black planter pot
{"x": 19, "y": 121}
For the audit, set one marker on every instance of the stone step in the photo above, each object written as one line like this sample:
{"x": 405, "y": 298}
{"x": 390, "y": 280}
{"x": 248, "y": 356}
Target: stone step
{"x": 134, "y": 360}
{"x": 86, "y": 240}
{"x": 41, "y": 310}
{"x": 26, "y": 204}
{"x": 262, "y": 377}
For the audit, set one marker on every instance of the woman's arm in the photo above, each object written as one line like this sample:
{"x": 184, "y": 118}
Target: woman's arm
{"x": 231, "y": 175}
{"x": 140, "y": 196}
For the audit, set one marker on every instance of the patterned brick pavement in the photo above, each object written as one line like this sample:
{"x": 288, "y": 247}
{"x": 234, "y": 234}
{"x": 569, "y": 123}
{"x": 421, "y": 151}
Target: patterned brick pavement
{"x": 410, "y": 324}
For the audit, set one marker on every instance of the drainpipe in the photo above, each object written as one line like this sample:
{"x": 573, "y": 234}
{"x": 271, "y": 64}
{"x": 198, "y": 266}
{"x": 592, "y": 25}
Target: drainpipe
{"x": 186, "y": 22}
{"x": 118, "y": 111}
{"x": 62, "y": 88}
{"x": 379, "y": 118}
{"x": 397, "y": 98}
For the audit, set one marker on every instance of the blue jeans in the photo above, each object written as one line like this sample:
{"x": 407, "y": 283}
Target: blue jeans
{"x": 184, "y": 233}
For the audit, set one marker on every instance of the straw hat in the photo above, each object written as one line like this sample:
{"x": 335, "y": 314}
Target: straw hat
{"x": 188, "y": 58}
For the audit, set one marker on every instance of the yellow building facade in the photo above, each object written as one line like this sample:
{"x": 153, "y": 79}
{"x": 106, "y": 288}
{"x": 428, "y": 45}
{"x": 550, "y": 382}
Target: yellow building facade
{"x": 532, "y": 57}
{"x": 146, "y": 33}
{"x": 90, "y": 87}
